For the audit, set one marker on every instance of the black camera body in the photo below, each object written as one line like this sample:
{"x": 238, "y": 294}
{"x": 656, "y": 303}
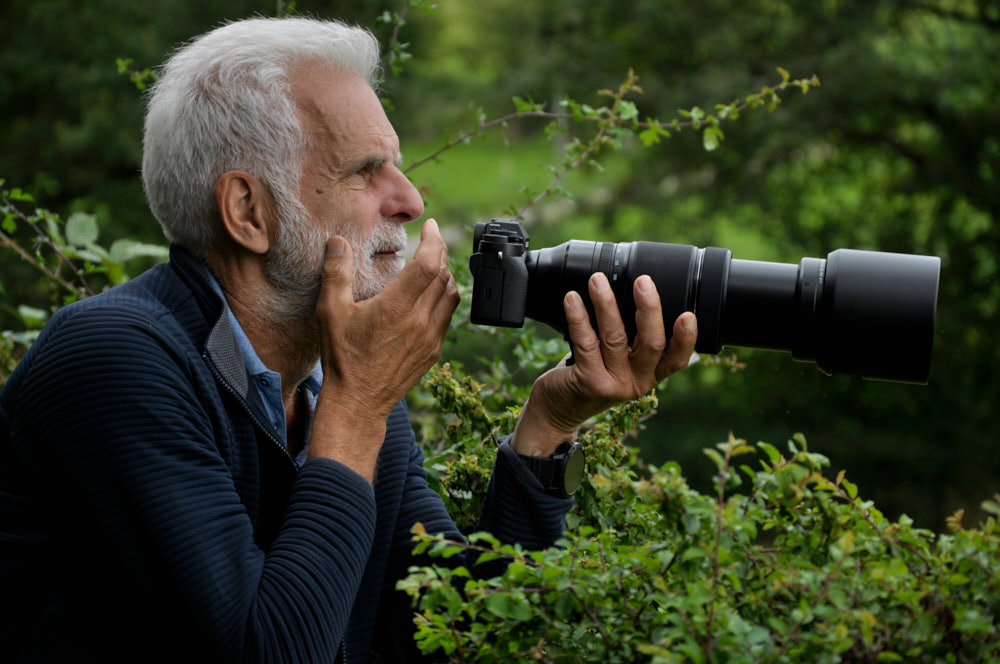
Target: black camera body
{"x": 867, "y": 313}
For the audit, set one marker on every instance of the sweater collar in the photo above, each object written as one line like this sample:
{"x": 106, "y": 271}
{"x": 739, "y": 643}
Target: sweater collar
{"x": 221, "y": 347}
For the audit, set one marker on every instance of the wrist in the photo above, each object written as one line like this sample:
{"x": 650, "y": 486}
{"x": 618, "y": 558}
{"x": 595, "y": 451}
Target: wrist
{"x": 538, "y": 436}
{"x": 561, "y": 473}
{"x": 348, "y": 434}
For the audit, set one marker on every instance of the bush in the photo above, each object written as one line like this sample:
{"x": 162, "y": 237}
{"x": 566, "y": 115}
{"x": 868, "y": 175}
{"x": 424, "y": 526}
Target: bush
{"x": 785, "y": 562}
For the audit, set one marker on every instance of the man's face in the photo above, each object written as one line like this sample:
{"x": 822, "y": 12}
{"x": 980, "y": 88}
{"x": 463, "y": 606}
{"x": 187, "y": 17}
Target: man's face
{"x": 351, "y": 185}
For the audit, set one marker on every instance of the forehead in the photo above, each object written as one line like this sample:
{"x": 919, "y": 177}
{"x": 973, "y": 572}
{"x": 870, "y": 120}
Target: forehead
{"x": 341, "y": 113}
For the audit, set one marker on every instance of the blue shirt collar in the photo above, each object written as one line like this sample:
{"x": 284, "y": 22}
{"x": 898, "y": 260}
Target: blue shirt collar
{"x": 268, "y": 382}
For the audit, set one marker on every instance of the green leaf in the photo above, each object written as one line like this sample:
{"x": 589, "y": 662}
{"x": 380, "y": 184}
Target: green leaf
{"x": 498, "y": 604}
{"x": 710, "y": 138}
{"x": 991, "y": 506}
{"x": 715, "y": 457}
{"x": 10, "y": 222}
{"x": 694, "y": 553}
{"x": 525, "y": 105}
{"x": 17, "y": 195}
{"x": 627, "y": 110}
{"x": 564, "y": 605}
{"x": 651, "y": 135}
{"x": 31, "y": 316}
{"x": 784, "y": 74}
{"x": 958, "y": 580}
{"x": 772, "y": 452}
{"x": 81, "y": 229}
{"x": 124, "y": 250}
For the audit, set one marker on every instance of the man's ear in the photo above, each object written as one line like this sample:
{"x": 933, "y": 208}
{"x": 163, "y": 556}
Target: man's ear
{"x": 245, "y": 208}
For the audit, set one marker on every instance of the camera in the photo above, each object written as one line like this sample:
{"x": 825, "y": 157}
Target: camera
{"x": 866, "y": 313}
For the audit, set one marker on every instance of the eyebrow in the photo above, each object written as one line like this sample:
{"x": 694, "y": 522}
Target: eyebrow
{"x": 352, "y": 165}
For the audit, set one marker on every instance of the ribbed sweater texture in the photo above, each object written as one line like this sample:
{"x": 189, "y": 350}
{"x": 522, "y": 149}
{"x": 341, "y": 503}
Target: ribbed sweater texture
{"x": 147, "y": 513}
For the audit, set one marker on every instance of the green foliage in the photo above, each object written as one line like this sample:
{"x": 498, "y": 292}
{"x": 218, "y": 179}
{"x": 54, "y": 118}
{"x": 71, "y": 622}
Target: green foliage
{"x": 783, "y": 562}
{"x": 67, "y": 256}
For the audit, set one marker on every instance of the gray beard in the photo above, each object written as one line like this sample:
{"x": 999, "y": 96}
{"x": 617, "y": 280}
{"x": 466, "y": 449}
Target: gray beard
{"x": 294, "y": 265}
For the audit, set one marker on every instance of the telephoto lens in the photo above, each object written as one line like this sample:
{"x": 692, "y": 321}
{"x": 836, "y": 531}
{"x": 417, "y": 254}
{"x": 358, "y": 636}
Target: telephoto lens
{"x": 867, "y": 313}
{"x": 857, "y": 312}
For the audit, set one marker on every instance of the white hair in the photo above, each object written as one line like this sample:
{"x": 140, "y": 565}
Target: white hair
{"x": 222, "y": 103}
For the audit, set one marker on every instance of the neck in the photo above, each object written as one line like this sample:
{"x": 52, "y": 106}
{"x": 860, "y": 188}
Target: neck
{"x": 285, "y": 343}
{"x": 284, "y": 335}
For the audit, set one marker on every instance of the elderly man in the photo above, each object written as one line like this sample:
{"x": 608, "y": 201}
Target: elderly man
{"x": 214, "y": 460}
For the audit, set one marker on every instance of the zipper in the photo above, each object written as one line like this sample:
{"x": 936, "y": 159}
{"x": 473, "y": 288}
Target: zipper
{"x": 261, "y": 426}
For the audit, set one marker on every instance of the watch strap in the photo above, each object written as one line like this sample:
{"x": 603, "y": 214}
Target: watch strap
{"x": 545, "y": 469}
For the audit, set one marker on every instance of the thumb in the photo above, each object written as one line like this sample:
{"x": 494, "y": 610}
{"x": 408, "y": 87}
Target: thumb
{"x": 337, "y": 285}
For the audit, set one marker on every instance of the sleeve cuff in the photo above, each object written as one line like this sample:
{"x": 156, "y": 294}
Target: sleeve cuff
{"x": 518, "y": 508}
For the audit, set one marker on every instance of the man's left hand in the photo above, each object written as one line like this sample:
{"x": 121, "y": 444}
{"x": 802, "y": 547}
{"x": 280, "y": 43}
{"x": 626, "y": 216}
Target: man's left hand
{"x": 606, "y": 370}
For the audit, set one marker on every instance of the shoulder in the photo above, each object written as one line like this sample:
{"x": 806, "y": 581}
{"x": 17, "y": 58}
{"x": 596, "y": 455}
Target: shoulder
{"x": 130, "y": 329}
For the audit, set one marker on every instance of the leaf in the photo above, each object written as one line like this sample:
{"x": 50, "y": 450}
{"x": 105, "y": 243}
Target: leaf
{"x": 784, "y": 74}
{"x": 991, "y": 506}
{"x": 486, "y": 557}
{"x": 524, "y": 105}
{"x": 715, "y": 457}
{"x": 627, "y": 110}
{"x": 651, "y": 135}
{"x": 17, "y": 195}
{"x": 693, "y": 553}
{"x": 10, "y": 222}
{"x": 31, "y": 316}
{"x": 772, "y": 452}
{"x": 125, "y": 250}
{"x": 709, "y": 139}
{"x": 81, "y": 229}
{"x": 498, "y": 604}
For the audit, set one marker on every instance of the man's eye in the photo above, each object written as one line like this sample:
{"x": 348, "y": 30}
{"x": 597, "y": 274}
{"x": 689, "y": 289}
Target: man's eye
{"x": 368, "y": 170}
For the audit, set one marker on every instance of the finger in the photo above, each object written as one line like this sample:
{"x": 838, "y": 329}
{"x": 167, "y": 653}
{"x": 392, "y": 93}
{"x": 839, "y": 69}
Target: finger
{"x": 586, "y": 345}
{"x": 650, "y": 339}
{"x": 336, "y": 292}
{"x": 435, "y": 289}
{"x": 681, "y": 347}
{"x": 614, "y": 339}
{"x": 444, "y": 305}
{"x": 429, "y": 260}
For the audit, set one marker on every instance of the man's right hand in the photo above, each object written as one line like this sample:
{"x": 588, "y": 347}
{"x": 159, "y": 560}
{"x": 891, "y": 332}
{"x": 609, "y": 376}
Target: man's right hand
{"x": 374, "y": 351}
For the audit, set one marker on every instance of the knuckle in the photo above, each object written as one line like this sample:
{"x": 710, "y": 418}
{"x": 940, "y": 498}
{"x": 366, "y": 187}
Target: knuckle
{"x": 657, "y": 342}
{"x": 588, "y": 345}
{"x": 429, "y": 269}
{"x": 616, "y": 339}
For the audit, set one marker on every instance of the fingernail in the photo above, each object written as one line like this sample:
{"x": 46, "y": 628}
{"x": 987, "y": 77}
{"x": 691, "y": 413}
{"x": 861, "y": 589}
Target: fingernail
{"x": 335, "y": 246}
{"x": 644, "y": 284}
{"x": 689, "y": 323}
{"x": 572, "y": 300}
{"x": 600, "y": 282}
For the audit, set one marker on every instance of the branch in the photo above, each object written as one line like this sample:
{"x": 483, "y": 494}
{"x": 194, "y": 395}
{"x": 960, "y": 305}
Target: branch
{"x": 483, "y": 127}
{"x": 608, "y": 119}
{"x": 7, "y": 241}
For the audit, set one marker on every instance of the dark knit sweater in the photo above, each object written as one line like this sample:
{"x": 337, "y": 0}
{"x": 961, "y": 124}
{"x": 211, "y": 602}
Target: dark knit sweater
{"x": 148, "y": 512}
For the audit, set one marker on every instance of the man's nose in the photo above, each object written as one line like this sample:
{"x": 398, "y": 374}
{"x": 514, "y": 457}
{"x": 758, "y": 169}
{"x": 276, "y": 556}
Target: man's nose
{"x": 403, "y": 202}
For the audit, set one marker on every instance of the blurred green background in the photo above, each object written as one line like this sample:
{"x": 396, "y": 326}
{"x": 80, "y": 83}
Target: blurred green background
{"x": 898, "y": 150}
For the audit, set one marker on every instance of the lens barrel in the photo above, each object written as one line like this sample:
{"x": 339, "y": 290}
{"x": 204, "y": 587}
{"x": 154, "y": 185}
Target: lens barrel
{"x": 858, "y": 312}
